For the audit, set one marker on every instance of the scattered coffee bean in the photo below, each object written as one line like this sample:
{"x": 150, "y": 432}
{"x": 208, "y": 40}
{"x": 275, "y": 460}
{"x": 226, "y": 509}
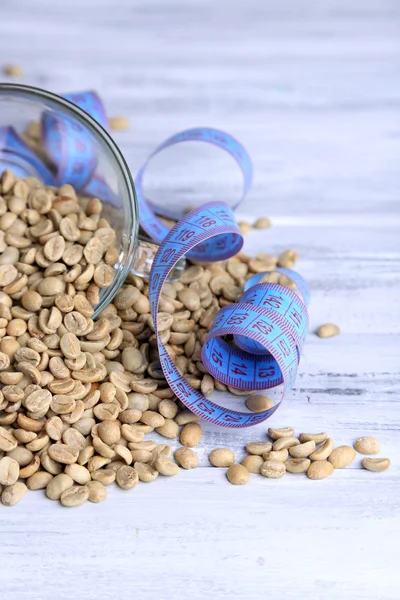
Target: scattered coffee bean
{"x": 39, "y": 480}
{"x": 342, "y": 456}
{"x": 275, "y": 434}
{"x": 13, "y": 494}
{"x": 147, "y": 473}
{"x": 13, "y": 70}
{"x": 118, "y": 123}
{"x": 317, "y": 437}
{"x": 244, "y": 227}
{"x": 258, "y": 448}
{"x": 327, "y": 330}
{"x": 253, "y": 463}
{"x": 302, "y": 450}
{"x": 324, "y": 451}
{"x": 191, "y": 434}
{"x": 297, "y": 465}
{"x": 127, "y": 477}
{"x": 262, "y": 223}
{"x": 58, "y": 485}
{"x": 186, "y": 458}
{"x": 285, "y": 442}
{"x": 276, "y": 455}
{"x": 221, "y": 457}
{"x": 259, "y": 403}
{"x": 97, "y": 491}
{"x": 367, "y": 445}
{"x": 165, "y": 466}
{"x": 376, "y": 464}
{"x": 319, "y": 469}
{"x": 74, "y": 496}
{"x": 238, "y": 474}
{"x": 9, "y": 471}
{"x": 273, "y": 469}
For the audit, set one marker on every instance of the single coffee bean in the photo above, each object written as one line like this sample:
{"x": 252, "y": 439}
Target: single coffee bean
{"x": 37, "y": 401}
{"x": 70, "y": 346}
{"x": 97, "y": 491}
{"x": 186, "y": 458}
{"x": 39, "y": 480}
{"x": 146, "y": 472}
{"x": 62, "y": 453}
{"x": 23, "y": 456}
{"x": 275, "y": 434}
{"x": 72, "y": 437}
{"x": 127, "y": 477}
{"x": 165, "y": 466}
{"x": 13, "y": 494}
{"x": 364, "y": 445}
{"x": 58, "y": 485}
{"x": 319, "y": 469}
{"x": 259, "y": 403}
{"x": 132, "y": 359}
{"x": 189, "y": 298}
{"x": 258, "y": 448}
{"x": 74, "y": 496}
{"x": 152, "y": 418}
{"x": 376, "y": 464}
{"x": 262, "y": 223}
{"x": 302, "y": 450}
{"x": 342, "y": 456}
{"x": 327, "y": 330}
{"x": 221, "y": 457}
{"x": 7, "y": 440}
{"x": 285, "y": 442}
{"x": 105, "y": 476}
{"x": 297, "y": 465}
{"x": 170, "y": 429}
{"x": 287, "y": 259}
{"x": 323, "y": 451}
{"x": 237, "y": 474}
{"x": 124, "y": 453}
{"x": 273, "y": 469}
{"x": 141, "y": 455}
{"x": 191, "y": 434}
{"x": 244, "y": 227}
{"x": 54, "y": 248}
{"x": 317, "y": 437}
{"x": 31, "y": 301}
{"x": 62, "y": 404}
{"x": 9, "y": 471}
{"x": 78, "y": 473}
{"x": 253, "y": 463}
{"x": 109, "y": 432}
{"x": 167, "y": 408}
{"x": 186, "y": 416}
{"x": 54, "y": 428}
{"x": 276, "y": 455}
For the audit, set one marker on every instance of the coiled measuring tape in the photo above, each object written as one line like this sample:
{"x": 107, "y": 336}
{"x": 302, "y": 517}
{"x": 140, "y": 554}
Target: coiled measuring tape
{"x": 268, "y": 325}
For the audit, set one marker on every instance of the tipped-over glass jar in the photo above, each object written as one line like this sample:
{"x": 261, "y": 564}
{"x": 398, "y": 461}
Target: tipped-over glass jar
{"x": 74, "y": 148}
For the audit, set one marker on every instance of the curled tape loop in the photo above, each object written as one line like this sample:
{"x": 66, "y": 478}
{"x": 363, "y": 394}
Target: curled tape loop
{"x": 270, "y": 316}
{"x": 268, "y": 325}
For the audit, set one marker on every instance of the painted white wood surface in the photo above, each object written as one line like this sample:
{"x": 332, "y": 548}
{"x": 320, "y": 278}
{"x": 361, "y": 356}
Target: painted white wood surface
{"x": 312, "y": 89}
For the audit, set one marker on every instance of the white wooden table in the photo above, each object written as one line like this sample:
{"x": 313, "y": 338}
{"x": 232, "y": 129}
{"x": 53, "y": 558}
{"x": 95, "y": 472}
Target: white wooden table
{"x": 312, "y": 89}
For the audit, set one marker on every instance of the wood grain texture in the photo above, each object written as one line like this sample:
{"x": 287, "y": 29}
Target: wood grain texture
{"x": 311, "y": 87}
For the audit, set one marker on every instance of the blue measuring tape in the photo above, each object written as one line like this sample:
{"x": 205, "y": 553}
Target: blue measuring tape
{"x": 269, "y": 324}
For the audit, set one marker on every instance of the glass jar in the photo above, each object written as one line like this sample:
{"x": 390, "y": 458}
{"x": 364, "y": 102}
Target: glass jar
{"x": 75, "y": 149}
